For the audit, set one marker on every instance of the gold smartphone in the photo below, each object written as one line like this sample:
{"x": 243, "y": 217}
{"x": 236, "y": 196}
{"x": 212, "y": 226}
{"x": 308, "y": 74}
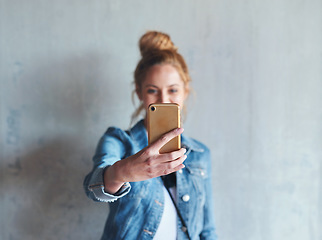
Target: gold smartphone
{"x": 162, "y": 118}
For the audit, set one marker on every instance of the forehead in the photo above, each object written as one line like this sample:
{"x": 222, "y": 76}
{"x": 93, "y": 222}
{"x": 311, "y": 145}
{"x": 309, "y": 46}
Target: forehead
{"x": 163, "y": 75}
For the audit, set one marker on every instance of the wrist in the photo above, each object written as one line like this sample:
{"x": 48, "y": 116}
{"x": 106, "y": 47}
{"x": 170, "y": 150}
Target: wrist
{"x": 112, "y": 183}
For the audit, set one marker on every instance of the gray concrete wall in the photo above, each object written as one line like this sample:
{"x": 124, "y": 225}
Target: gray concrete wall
{"x": 66, "y": 75}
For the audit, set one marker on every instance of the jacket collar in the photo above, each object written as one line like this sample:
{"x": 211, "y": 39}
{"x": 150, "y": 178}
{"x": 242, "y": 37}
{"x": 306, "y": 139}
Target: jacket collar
{"x": 139, "y": 135}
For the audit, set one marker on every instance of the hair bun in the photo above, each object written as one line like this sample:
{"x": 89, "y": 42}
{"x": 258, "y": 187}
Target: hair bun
{"x": 154, "y": 41}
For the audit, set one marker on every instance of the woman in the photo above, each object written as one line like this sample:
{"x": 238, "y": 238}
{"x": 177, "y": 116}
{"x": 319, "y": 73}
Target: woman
{"x": 127, "y": 172}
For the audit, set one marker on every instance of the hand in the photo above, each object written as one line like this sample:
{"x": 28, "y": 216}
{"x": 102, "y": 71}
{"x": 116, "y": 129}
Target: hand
{"x": 147, "y": 163}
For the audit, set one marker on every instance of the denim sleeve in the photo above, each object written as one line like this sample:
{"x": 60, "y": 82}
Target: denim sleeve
{"x": 110, "y": 149}
{"x": 209, "y": 224}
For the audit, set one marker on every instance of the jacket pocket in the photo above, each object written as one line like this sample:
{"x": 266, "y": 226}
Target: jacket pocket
{"x": 198, "y": 174}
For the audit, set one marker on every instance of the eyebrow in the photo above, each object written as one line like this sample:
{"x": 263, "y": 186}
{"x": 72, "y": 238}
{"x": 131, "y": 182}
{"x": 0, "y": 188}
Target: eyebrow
{"x": 151, "y": 85}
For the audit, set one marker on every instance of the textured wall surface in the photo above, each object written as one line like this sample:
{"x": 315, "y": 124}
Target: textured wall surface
{"x": 66, "y": 75}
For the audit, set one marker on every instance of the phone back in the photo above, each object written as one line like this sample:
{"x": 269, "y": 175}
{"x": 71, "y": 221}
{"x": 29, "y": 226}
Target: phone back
{"x": 162, "y": 118}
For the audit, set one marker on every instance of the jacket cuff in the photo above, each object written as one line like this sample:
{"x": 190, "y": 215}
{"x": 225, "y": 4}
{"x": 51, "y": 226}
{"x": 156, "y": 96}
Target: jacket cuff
{"x": 102, "y": 196}
{"x": 97, "y": 188}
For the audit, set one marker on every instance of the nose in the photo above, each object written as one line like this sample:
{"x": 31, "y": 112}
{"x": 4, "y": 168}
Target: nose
{"x": 164, "y": 97}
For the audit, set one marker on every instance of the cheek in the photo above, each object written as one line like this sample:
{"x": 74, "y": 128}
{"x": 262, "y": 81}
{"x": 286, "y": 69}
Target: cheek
{"x": 179, "y": 99}
{"x": 147, "y": 100}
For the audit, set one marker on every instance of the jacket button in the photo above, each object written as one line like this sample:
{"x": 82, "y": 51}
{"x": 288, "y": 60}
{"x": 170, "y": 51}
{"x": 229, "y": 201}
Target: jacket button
{"x": 180, "y": 171}
{"x": 186, "y": 198}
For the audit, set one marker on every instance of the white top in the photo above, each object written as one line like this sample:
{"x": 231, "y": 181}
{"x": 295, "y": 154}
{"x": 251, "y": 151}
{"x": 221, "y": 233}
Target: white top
{"x": 168, "y": 225}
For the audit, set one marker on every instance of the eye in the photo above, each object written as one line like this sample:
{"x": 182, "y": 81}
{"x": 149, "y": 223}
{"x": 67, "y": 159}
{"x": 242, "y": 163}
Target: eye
{"x": 173, "y": 90}
{"x": 151, "y": 91}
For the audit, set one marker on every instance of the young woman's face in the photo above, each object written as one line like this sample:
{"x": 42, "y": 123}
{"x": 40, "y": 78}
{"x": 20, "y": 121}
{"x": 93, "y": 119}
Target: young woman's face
{"x": 162, "y": 84}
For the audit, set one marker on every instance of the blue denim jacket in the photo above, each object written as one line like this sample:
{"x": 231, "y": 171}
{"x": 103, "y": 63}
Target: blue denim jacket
{"x": 136, "y": 209}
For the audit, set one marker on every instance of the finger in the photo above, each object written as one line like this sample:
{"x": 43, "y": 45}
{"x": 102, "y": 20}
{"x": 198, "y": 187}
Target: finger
{"x": 167, "y": 157}
{"x": 169, "y": 167}
{"x": 178, "y": 168}
{"x": 166, "y": 172}
{"x": 166, "y": 138}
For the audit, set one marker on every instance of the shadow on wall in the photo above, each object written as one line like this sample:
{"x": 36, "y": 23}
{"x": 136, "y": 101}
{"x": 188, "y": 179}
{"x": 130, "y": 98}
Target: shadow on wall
{"x": 48, "y": 138}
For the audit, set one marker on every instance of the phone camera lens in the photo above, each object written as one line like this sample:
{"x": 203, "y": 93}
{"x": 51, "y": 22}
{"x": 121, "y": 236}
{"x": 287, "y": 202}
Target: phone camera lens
{"x": 152, "y": 108}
